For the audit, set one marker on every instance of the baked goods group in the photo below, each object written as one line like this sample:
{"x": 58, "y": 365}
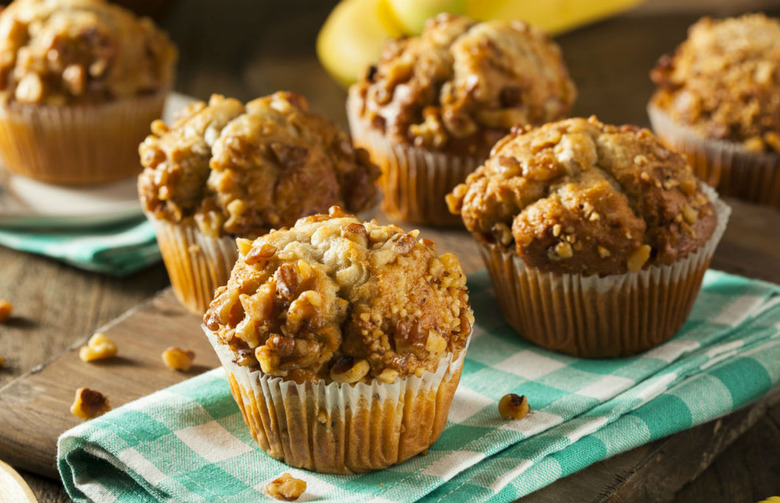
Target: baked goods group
{"x": 432, "y": 107}
{"x": 224, "y": 170}
{"x": 80, "y": 81}
{"x": 347, "y": 336}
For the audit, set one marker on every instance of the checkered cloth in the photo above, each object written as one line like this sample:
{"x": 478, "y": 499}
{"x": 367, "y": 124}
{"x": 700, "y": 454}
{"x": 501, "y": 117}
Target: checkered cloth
{"x": 117, "y": 250}
{"x": 189, "y": 442}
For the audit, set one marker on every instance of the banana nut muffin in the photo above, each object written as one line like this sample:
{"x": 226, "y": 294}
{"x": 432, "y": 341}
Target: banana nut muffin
{"x": 343, "y": 341}
{"x": 80, "y": 81}
{"x": 724, "y": 81}
{"x": 434, "y": 105}
{"x": 718, "y": 103}
{"x": 461, "y": 85}
{"x": 243, "y": 170}
{"x": 60, "y": 52}
{"x": 582, "y": 197}
{"x": 334, "y": 295}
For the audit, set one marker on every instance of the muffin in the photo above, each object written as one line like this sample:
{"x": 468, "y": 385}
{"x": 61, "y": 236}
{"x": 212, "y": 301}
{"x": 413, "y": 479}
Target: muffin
{"x": 434, "y": 105}
{"x": 80, "y": 81}
{"x": 718, "y": 102}
{"x": 343, "y": 341}
{"x": 596, "y": 236}
{"x": 224, "y": 170}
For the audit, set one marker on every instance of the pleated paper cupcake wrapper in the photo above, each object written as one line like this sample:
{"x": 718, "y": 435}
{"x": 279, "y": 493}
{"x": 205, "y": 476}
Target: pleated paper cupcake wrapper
{"x": 197, "y": 264}
{"x": 729, "y": 167}
{"x": 598, "y": 317}
{"x": 342, "y": 428}
{"x": 77, "y": 145}
{"x": 414, "y": 181}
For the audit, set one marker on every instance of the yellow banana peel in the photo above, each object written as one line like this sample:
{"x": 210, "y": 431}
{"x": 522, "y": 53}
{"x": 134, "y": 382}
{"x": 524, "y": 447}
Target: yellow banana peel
{"x": 354, "y": 33}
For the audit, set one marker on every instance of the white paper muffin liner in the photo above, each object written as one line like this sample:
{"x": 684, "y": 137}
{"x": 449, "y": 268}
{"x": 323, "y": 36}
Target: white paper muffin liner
{"x": 77, "y": 145}
{"x": 342, "y": 428}
{"x": 597, "y": 317}
{"x": 197, "y": 264}
{"x": 730, "y": 168}
{"x": 414, "y": 181}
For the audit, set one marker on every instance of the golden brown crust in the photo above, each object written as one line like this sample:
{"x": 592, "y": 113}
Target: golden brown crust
{"x": 581, "y": 197}
{"x": 243, "y": 170}
{"x": 724, "y": 81}
{"x": 64, "y": 52}
{"x": 461, "y": 85}
{"x": 338, "y": 299}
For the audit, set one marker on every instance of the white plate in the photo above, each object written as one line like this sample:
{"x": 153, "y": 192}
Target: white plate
{"x": 26, "y": 203}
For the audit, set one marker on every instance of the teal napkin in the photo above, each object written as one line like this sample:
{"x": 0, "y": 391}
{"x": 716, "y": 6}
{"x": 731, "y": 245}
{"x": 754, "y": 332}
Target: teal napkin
{"x": 118, "y": 250}
{"x": 189, "y": 442}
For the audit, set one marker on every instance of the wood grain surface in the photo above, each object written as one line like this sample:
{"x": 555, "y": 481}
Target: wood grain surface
{"x": 246, "y": 49}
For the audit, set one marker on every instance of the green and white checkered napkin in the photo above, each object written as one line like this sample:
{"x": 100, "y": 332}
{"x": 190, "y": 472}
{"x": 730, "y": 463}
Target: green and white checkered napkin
{"x": 118, "y": 250}
{"x": 189, "y": 442}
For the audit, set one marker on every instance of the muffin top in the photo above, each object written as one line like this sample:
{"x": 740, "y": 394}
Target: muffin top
{"x": 724, "y": 81}
{"x": 342, "y": 300}
{"x": 582, "y": 197}
{"x": 66, "y": 52}
{"x": 461, "y": 85}
{"x": 243, "y": 170}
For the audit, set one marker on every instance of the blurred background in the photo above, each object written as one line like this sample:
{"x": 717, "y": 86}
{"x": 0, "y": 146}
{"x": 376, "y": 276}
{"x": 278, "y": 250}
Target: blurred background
{"x": 250, "y": 48}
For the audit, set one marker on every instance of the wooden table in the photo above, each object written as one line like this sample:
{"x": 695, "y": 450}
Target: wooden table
{"x": 247, "y": 49}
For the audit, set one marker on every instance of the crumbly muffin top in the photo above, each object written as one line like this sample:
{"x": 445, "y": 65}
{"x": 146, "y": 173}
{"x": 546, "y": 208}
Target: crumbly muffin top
{"x": 65, "y": 52}
{"x": 724, "y": 81}
{"x": 243, "y": 170}
{"x": 582, "y": 197}
{"x": 461, "y": 85}
{"x": 338, "y": 299}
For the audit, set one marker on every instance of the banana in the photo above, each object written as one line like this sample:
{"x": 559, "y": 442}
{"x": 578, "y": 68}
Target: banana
{"x": 554, "y": 16}
{"x": 354, "y": 33}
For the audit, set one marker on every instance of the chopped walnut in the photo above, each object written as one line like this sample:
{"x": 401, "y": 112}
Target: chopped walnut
{"x": 99, "y": 347}
{"x": 348, "y": 370}
{"x": 5, "y": 310}
{"x": 637, "y": 259}
{"x": 89, "y": 404}
{"x": 286, "y": 488}
{"x": 178, "y": 358}
{"x": 512, "y": 406}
